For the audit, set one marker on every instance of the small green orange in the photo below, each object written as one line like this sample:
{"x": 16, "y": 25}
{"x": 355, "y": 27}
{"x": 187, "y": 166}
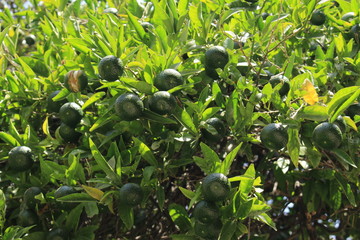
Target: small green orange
{"x": 110, "y": 68}
{"x": 318, "y": 18}
{"x": 168, "y": 79}
{"x": 71, "y": 114}
{"x": 131, "y": 194}
{"x": 215, "y": 187}
{"x": 162, "y": 103}
{"x": 206, "y": 212}
{"x": 76, "y": 80}
{"x": 20, "y": 158}
{"x": 327, "y": 136}
{"x": 274, "y": 136}
{"x": 129, "y": 106}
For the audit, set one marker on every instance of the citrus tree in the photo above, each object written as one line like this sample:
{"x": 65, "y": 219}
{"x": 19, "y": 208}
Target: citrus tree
{"x": 179, "y": 119}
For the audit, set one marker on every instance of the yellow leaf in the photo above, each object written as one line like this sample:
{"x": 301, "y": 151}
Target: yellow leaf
{"x": 11, "y": 32}
{"x": 93, "y": 192}
{"x": 310, "y": 96}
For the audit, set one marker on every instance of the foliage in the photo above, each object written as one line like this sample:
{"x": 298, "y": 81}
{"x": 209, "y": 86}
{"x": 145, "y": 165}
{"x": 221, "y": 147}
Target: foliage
{"x": 297, "y": 192}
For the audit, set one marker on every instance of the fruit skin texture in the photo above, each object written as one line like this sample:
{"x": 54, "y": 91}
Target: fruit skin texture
{"x": 348, "y": 16}
{"x": 71, "y": 114}
{"x": 274, "y": 136}
{"x": 318, "y": 18}
{"x": 29, "y": 196}
{"x": 20, "y": 158}
{"x": 69, "y": 134}
{"x": 131, "y": 194}
{"x": 162, "y": 103}
{"x": 219, "y": 127}
{"x": 110, "y": 68}
{"x": 215, "y": 187}
{"x": 208, "y": 231}
{"x": 27, "y": 218}
{"x": 168, "y": 79}
{"x": 215, "y": 57}
{"x": 206, "y": 212}
{"x": 30, "y": 40}
{"x": 76, "y": 80}
{"x": 352, "y": 110}
{"x": 129, "y": 106}
{"x": 275, "y": 80}
{"x": 57, "y": 234}
{"x": 53, "y": 106}
{"x": 327, "y": 136}
{"x": 63, "y": 191}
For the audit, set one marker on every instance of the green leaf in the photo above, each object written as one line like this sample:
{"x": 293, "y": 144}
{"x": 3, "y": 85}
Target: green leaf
{"x": 146, "y": 152}
{"x": 209, "y": 154}
{"x": 314, "y": 113}
{"x": 343, "y": 156}
{"x": 264, "y": 217}
{"x": 293, "y": 145}
{"x": 247, "y": 183}
{"x": 346, "y": 189}
{"x": 2, "y": 209}
{"x": 345, "y": 105}
{"x": 27, "y": 69}
{"x": 340, "y": 97}
{"x": 141, "y": 86}
{"x": 340, "y": 44}
{"x": 127, "y": 215}
{"x": 226, "y": 164}
{"x": 103, "y": 164}
{"x": 209, "y": 112}
{"x": 187, "y": 193}
{"x": 138, "y": 28}
{"x": 228, "y": 230}
{"x": 184, "y": 118}
{"x": 3, "y": 33}
{"x": 73, "y": 219}
{"x": 76, "y": 197}
{"x": 9, "y": 139}
{"x": 179, "y": 216}
{"x": 94, "y": 98}
{"x": 157, "y": 118}
{"x": 160, "y": 196}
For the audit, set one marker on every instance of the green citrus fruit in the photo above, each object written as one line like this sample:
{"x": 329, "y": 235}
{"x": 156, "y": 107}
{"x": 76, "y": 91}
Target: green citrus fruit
{"x": 162, "y": 103}
{"x": 340, "y": 122}
{"x": 69, "y": 134}
{"x": 318, "y": 18}
{"x": 206, "y": 212}
{"x": 274, "y": 136}
{"x": 63, "y": 191}
{"x": 208, "y": 230}
{"x": 71, "y": 114}
{"x": 111, "y": 68}
{"x": 54, "y": 106}
{"x": 57, "y": 234}
{"x": 168, "y": 79}
{"x": 30, "y": 40}
{"x": 27, "y": 218}
{"x": 280, "y": 79}
{"x": 327, "y": 136}
{"x": 215, "y": 187}
{"x": 352, "y": 110}
{"x": 20, "y": 158}
{"x": 29, "y": 196}
{"x": 217, "y": 130}
{"x": 348, "y": 16}
{"x": 129, "y": 106}
{"x": 76, "y": 80}
{"x": 131, "y": 194}
{"x": 215, "y": 57}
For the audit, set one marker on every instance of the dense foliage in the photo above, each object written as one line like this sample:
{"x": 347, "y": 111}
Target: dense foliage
{"x": 179, "y": 119}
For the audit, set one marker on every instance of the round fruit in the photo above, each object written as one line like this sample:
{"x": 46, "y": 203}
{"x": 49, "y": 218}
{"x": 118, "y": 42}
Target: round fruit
{"x": 348, "y": 16}
{"x": 206, "y": 212}
{"x": 129, "y": 106}
{"x": 265, "y": 15}
{"x": 30, "y": 40}
{"x": 29, "y": 196}
{"x": 131, "y": 194}
{"x": 162, "y": 102}
{"x": 69, "y": 134}
{"x": 20, "y": 158}
{"x": 54, "y": 106}
{"x": 318, "y": 18}
{"x": 110, "y": 68}
{"x": 274, "y": 136}
{"x": 63, "y": 191}
{"x": 27, "y": 218}
{"x": 340, "y": 122}
{"x": 215, "y": 187}
{"x": 352, "y": 110}
{"x": 217, "y": 125}
{"x": 168, "y": 79}
{"x": 215, "y": 57}
{"x": 76, "y": 80}
{"x": 57, "y": 234}
{"x": 275, "y": 80}
{"x": 327, "y": 136}
{"x": 71, "y": 114}
{"x": 208, "y": 231}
